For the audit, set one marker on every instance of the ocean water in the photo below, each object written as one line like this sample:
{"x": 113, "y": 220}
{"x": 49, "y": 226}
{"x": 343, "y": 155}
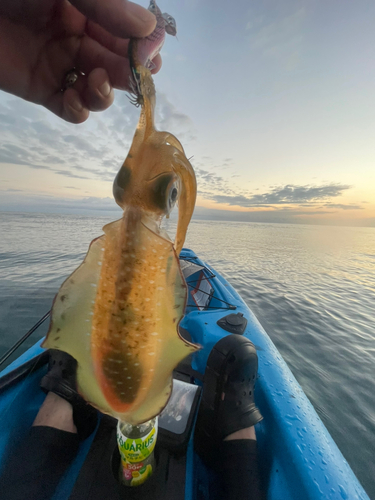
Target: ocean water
{"x": 311, "y": 287}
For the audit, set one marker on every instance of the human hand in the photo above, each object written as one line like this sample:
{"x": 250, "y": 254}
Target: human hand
{"x": 41, "y": 40}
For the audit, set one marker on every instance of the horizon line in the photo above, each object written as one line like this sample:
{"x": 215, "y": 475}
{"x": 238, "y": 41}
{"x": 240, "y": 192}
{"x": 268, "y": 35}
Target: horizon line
{"x": 197, "y": 218}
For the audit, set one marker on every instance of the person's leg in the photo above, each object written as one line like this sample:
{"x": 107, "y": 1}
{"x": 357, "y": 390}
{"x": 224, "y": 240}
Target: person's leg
{"x": 238, "y": 473}
{"x": 56, "y": 412}
{"x": 34, "y": 469}
{"x": 225, "y": 435}
{"x": 247, "y": 433}
{"x": 61, "y": 379}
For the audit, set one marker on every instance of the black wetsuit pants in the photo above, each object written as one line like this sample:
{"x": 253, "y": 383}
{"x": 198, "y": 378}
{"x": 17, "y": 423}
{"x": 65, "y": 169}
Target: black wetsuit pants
{"x": 34, "y": 470}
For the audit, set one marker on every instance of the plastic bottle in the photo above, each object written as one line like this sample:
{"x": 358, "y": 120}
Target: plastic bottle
{"x": 136, "y": 444}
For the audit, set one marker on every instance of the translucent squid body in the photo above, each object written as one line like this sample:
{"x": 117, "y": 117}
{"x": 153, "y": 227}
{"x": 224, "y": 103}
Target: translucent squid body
{"x": 118, "y": 313}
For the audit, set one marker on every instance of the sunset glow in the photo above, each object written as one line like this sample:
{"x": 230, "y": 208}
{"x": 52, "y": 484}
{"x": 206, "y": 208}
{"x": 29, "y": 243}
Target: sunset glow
{"x": 277, "y": 116}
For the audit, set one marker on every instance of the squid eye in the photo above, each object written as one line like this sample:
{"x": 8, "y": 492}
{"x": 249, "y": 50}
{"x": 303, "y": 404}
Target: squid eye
{"x": 121, "y": 183}
{"x": 173, "y": 195}
{"x": 165, "y": 190}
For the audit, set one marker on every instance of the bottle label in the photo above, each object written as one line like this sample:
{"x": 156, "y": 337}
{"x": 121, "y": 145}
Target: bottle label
{"x": 136, "y": 473}
{"x": 136, "y": 450}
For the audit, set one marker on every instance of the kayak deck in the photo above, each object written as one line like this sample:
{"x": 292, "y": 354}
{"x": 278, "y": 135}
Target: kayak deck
{"x": 298, "y": 458}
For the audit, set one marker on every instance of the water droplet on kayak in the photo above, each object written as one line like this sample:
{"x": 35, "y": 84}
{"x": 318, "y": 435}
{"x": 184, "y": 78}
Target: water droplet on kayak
{"x": 343, "y": 492}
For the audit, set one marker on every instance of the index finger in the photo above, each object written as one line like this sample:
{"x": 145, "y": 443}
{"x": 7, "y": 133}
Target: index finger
{"x": 120, "y": 17}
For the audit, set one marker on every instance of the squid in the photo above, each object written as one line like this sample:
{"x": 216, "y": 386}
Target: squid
{"x": 118, "y": 313}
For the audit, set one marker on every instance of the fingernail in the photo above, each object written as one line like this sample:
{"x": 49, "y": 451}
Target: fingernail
{"x": 105, "y": 89}
{"x": 76, "y": 104}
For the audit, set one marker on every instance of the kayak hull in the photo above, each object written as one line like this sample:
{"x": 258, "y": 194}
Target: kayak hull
{"x": 298, "y": 457}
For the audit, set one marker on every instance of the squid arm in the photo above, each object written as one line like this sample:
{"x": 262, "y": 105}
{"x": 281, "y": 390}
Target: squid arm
{"x": 186, "y": 202}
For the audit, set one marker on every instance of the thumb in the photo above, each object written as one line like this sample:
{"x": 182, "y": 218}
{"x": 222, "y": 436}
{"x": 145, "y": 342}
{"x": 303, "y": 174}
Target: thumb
{"x": 120, "y": 17}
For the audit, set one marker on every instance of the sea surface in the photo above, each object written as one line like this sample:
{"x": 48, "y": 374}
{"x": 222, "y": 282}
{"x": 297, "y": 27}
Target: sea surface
{"x": 311, "y": 287}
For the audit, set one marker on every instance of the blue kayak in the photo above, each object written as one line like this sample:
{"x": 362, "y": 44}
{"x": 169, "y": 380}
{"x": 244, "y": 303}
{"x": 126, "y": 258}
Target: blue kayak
{"x": 298, "y": 457}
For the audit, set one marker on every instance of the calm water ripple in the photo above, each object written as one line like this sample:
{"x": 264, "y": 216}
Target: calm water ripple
{"x": 311, "y": 287}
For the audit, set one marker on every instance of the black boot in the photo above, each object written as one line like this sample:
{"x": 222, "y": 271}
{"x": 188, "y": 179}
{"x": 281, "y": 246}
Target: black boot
{"x": 61, "y": 379}
{"x": 227, "y": 403}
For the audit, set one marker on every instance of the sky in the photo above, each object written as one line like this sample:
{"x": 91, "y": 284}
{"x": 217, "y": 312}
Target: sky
{"x": 273, "y": 100}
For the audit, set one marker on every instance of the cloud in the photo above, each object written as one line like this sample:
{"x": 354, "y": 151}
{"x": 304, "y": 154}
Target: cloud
{"x": 94, "y": 206}
{"x": 44, "y": 203}
{"x": 167, "y": 117}
{"x": 10, "y": 153}
{"x": 210, "y": 183}
{"x": 69, "y": 174}
{"x": 343, "y": 207}
{"x": 31, "y": 136}
{"x": 289, "y": 194}
{"x": 221, "y": 190}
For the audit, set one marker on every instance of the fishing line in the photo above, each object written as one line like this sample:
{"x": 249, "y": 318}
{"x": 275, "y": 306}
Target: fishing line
{"x": 22, "y": 339}
{"x": 206, "y": 278}
{"x": 31, "y": 369}
{"x": 231, "y": 306}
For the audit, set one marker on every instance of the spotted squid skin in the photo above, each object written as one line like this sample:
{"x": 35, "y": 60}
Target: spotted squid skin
{"x": 155, "y": 168}
{"x": 118, "y": 313}
{"x": 114, "y": 332}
